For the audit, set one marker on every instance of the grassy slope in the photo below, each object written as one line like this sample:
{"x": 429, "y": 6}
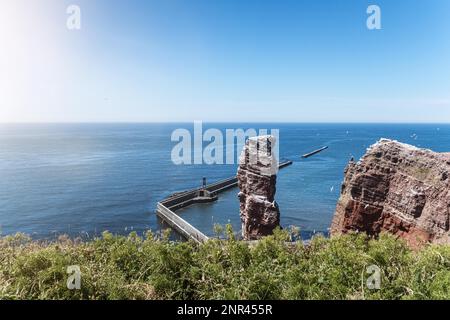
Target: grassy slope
{"x": 135, "y": 268}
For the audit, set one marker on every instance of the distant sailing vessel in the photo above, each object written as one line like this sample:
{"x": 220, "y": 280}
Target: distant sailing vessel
{"x": 307, "y": 155}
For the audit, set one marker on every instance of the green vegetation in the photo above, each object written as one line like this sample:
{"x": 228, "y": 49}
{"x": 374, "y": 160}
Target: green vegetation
{"x": 115, "y": 267}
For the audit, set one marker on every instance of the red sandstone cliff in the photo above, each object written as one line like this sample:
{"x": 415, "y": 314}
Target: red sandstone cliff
{"x": 397, "y": 188}
{"x": 256, "y": 175}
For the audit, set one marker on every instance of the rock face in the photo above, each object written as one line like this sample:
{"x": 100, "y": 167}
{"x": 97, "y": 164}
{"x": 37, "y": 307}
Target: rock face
{"x": 256, "y": 175}
{"x": 397, "y": 188}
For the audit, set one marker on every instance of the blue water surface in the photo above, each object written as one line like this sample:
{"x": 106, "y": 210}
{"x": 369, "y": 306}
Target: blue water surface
{"x": 82, "y": 179}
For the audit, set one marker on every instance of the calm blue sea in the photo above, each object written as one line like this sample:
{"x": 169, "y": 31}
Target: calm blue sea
{"x": 82, "y": 179}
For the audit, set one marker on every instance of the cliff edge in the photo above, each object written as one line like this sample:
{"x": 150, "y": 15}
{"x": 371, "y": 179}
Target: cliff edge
{"x": 396, "y": 188}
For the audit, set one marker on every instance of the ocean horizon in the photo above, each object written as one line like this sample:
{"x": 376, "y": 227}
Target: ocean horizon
{"x": 82, "y": 179}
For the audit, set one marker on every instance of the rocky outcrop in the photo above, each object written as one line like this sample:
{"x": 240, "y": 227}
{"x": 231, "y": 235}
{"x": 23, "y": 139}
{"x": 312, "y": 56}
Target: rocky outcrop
{"x": 396, "y": 188}
{"x": 256, "y": 175}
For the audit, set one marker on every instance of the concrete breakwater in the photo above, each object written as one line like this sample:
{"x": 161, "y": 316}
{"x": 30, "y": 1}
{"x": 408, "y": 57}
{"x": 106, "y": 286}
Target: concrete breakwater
{"x": 310, "y": 154}
{"x": 166, "y": 209}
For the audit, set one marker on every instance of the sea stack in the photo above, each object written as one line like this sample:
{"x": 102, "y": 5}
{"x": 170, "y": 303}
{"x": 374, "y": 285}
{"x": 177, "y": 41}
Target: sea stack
{"x": 257, "y": 178}
{"x": 397, "y": 188}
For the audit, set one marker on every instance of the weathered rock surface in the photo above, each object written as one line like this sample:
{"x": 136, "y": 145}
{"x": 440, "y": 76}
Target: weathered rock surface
{"x": 396, "y": 188}
{"x": 256, "y": 175}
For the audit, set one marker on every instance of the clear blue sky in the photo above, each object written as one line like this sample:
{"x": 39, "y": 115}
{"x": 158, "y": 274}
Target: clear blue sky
{"x": 225, "y": 60}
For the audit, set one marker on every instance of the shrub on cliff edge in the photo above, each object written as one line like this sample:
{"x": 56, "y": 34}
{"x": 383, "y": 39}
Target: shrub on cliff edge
{"x": 117, "y": 267}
